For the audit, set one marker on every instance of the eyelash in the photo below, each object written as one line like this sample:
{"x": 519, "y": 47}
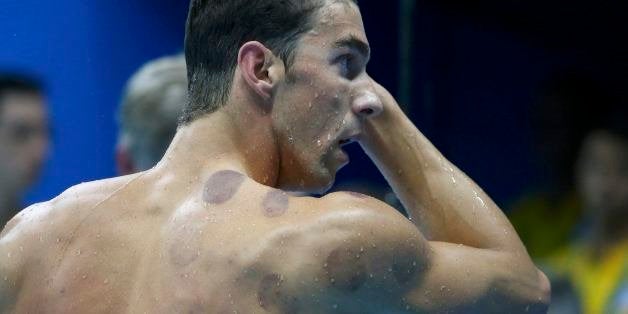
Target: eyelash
{"x": 347, "y": 65}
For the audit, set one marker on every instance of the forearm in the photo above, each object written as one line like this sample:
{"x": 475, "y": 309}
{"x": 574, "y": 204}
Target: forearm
{"x": 441, "y": 200}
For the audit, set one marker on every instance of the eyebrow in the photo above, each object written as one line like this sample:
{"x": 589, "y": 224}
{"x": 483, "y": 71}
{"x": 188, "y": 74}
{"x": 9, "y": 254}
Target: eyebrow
{"x": 352, "y": 42}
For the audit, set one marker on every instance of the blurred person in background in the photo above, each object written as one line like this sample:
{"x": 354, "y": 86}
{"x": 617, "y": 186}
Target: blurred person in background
{"x": 596, "y": 264}
{"x": 546, "y": 213}
{"x": 24, "y": 139}
{"x": 154, "y": 98}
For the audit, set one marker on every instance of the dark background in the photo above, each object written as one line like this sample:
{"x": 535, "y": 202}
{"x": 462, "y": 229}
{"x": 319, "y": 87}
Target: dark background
{"x": 476, "y": 75}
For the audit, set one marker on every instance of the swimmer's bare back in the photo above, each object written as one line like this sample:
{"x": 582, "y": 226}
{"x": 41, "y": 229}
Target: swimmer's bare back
{"x": 194, "y": 235}
{"x": 144, "y": 244}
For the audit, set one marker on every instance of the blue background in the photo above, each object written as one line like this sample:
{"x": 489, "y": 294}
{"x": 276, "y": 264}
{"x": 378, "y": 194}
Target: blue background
{"x": 473, "y": 81}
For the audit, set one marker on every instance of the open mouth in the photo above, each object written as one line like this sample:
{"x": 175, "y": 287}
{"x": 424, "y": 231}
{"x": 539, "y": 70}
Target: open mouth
{"x": 346, "y": 141}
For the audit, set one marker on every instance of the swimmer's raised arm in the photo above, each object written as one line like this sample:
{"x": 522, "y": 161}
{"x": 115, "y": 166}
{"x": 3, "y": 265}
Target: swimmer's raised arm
{"x": 474, "y": 246}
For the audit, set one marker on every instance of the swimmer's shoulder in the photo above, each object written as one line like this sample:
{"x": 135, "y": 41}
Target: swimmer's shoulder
{"x": 69, "y": 205}
{"x": 354, "y": 247}
{"x": 26, "y": 235}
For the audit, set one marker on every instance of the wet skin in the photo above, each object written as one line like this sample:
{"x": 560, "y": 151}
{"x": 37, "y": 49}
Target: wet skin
{"x": 204, "y": 256}
{"x": 210, "y": 230}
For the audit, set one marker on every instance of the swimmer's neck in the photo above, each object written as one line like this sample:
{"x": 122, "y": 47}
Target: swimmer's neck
{"x": 225, "y": 139}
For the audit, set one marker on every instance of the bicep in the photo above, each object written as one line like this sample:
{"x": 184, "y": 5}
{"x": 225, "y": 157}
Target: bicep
{"x": 467, "y": 279}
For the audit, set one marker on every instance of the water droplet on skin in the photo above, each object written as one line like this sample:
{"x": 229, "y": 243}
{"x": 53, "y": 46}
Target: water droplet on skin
{"x": 480, "y": 201}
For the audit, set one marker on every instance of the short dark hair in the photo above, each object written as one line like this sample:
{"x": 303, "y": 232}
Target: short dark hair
{"x": 17, "y": 82}
{"x": 12, "y": 82}
{"x": 216, "y": 29}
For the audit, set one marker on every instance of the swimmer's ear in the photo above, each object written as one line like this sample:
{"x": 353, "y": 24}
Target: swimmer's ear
{"x": 260, "y": 68}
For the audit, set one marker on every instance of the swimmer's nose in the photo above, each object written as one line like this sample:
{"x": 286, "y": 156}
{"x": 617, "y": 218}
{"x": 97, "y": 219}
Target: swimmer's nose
{"x": 367, "y": 105}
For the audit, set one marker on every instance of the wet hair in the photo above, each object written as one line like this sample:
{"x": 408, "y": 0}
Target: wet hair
{"x": 215, "y": 31}
{"x": 152, "y": 103}
{"x": 20, "y": 83}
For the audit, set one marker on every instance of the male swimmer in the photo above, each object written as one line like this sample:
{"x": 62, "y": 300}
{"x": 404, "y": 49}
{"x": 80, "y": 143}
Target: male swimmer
{"x": 147, "y": 118}
{"x": 275, "y": 89}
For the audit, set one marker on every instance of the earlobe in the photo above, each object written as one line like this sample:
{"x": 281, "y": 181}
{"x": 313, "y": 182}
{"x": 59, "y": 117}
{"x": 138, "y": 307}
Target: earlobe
{"x": 256, "y": 63}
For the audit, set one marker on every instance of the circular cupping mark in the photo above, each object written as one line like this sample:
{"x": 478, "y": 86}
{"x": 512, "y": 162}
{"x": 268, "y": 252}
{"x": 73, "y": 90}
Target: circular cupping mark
{"x": 404, "y": 266}
{"x": 269, "y": 292}
{"x": 275, "y": 203}
{"x": 222, "y": 186}
{"x": 345, "y": 270}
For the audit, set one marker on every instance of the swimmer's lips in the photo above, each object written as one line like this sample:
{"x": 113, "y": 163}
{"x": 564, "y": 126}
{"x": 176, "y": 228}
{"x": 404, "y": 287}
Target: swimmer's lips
{"x": 345, "y": 142}
{"x": 348, "y": 140}
{"x": 344, "y": 158}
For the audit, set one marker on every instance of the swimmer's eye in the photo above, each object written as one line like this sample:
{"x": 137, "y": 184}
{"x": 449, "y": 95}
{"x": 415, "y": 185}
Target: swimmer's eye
{"x": 349, "y": 66}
